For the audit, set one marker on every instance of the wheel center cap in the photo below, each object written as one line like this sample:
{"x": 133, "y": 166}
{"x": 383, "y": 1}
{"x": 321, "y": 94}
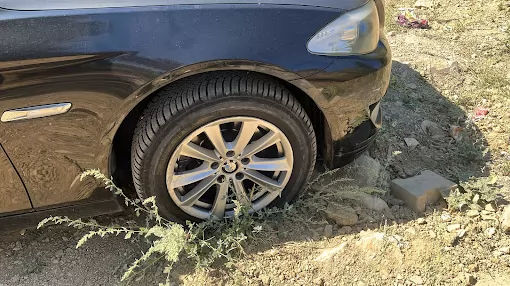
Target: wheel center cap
{"x": 229, "y": 166}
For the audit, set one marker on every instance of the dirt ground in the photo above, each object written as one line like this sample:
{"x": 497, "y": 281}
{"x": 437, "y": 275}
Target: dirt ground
{"x": 440, "y": 76}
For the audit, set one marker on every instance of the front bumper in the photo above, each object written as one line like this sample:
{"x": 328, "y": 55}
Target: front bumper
{"x": 351, "y": 89}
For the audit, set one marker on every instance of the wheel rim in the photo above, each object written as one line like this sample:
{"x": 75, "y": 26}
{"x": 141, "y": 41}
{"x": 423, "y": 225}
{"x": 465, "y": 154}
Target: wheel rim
{"x": 238, "y": 158}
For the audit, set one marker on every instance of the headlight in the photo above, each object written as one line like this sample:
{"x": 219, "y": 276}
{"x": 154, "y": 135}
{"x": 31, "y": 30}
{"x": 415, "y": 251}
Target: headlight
{"x": 354, "y": 33}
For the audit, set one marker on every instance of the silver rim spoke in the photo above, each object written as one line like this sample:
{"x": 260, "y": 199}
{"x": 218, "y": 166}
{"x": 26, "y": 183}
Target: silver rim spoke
{"x": 216, "y": 164}
{"x": 214, "y": 134}
{"x": 269, "y": 164}
{"x": 240, "y": 192}
{"x": 220, "y": 203}
{"x": 198, "y": 191}
{"x": 256, "y": 146}
{"x": 245, "y": 134}
{"x": 192, "y": 176}
{"x": 263, "y": 181}
{"x": 194, "y": 151}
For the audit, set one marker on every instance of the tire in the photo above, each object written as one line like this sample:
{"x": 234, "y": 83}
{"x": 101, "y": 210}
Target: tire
{"x": 178, "y": 112}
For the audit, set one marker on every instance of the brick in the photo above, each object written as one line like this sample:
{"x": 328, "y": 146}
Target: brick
{"x": 423, "y": 190}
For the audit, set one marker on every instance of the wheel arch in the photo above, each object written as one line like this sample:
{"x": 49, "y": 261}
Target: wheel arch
{"x": 306, "y": 94}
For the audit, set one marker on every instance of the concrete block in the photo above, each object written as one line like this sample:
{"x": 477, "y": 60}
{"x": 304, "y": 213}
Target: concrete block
{"x": 423, "y": 190}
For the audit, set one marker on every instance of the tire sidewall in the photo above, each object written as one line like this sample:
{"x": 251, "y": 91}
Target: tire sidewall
{"x": 171, "y": 134}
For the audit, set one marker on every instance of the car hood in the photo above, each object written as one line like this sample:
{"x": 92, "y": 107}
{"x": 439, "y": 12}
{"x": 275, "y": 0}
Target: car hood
{"x": 36, "y": 5}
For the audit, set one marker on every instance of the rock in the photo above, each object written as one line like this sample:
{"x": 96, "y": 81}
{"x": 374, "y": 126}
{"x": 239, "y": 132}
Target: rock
{"x": 490, "y": 232}
{"x": 490, "y": 208}
{"x": 374, "y": 203}
{"x": 319, "y": 281}
{"x": 342, "y": 215}
{"x": 432, "y": 129}
{"x": 456, "y": 132}
{"x": 65, "y": 238}
{"x": 472, "y": 213}
{"x": 411, "y": 231}
{"x": 17, "y": 246}
{"x": 423, "y": 4}
{"x": 47, "y": 239}
{"x": 328, "y": 231}
{"x": 416, "y": 280}
{"x": 501, "y": 251}
{"x": 345, "y": 230}
{"x": 489, "y": 217}
{"x": 423, "y": 190}
{"x": 265, "y": 279}
{"x": 446, "y": 217}
{"x": 411, "y": 86}
{"x": 421, "y": 221}
{"x": 363, "y": 172}
{"x": 453, "y": 227}
{"x": 375, "y": 244}
{"x": 432, "y": 234}
{"x": 411, "y": 142}
{"x": 461, "y": 233}
{"x": 328, "y": 253}
{"x": 505, "y": 220}
{"x": 470, "y": 279}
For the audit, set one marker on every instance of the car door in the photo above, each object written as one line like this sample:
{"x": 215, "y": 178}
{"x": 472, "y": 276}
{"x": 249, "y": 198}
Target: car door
{"x": 13, "y": 196}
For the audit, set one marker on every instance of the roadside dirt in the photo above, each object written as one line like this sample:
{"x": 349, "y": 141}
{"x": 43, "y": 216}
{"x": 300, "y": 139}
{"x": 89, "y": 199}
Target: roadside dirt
{"x": 440, "y": 76}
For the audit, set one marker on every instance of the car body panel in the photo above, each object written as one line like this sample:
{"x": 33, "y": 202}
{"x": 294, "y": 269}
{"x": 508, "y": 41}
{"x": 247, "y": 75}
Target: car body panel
{"x": 13, "y": 196}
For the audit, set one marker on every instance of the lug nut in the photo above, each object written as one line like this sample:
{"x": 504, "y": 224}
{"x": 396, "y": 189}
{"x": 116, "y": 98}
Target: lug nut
{"x": 245, "y": 161}
{"x": 239, "y": 176}
{"x": 215, "y": 165}
{"x": 230, "y": 153}
{"x": 221, "y": 179}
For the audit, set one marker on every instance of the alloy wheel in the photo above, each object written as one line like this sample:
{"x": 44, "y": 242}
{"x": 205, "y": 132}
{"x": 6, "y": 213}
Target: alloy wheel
{"x": 243, "y": 159}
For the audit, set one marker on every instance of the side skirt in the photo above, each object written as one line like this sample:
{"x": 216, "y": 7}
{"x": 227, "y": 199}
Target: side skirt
{"x": 31, "y": 219}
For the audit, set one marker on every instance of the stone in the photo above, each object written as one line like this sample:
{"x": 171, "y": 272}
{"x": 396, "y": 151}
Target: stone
{"x": 328, "y": 231}
{"x": 341, "y": 214}
{"x": 373, "y": 203}
{"x": 446, "y": 217}
{"x": 328, "y": 253}
{"x": 374, "y": 244}
{"x": 490, "y": 208}
{"x": 411, "y": 142}
{"x": 432, "y": 129}
{"x": 472, "y": 213}
{"x": 490, "y": 232}
{"x": 489, "y": 216}
{"x": 345, "y": 230}
{"x": 265, "y": 279}
{"x": 470, "y": 279}
{"x": 424, "y": 190}
{"x": 461, "y": 233}
{"x": 421, "y": 221}
{"x": 416, "y": 280}
{"x": 423, "y": 4}
{"x": 411, "y": 86}
{"x": 363, "y": 172}
{"x": 505, "y": 220}
{"x": 453, "y": 227}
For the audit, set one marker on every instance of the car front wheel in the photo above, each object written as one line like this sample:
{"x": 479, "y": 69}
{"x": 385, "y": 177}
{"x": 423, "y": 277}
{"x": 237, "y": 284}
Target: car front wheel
{"x": 203, "y": 144}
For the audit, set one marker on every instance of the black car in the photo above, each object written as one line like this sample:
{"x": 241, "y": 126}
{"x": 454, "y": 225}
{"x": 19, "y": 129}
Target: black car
{"x": 198, "y": 103}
